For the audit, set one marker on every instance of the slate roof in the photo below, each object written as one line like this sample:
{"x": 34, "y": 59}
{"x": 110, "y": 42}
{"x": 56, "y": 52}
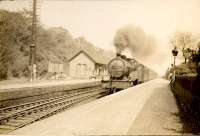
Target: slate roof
{"x": 99, "y": 57}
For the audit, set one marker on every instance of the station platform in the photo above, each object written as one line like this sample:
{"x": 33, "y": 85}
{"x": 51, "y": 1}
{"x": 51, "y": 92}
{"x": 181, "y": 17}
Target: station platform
{"x": 13, "y": 91}
{"x": 148, "y": 108}
{"x": 26, "y": 84}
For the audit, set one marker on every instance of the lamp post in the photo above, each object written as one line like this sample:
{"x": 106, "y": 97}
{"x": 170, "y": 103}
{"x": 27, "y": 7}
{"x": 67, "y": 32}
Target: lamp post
{"x": 32, "y": 57}
{"x": 32, "y": 63}
{"x": 174, "y": 53}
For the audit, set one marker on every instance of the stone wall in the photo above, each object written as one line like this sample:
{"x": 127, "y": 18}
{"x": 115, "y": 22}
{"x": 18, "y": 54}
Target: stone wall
{"x": 186, "y": 89}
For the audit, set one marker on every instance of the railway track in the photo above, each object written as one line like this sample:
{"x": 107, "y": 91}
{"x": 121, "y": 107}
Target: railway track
{"x": 14, "y": 117}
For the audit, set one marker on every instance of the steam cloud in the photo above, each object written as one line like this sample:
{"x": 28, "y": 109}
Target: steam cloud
{"x": 134, "y": 38}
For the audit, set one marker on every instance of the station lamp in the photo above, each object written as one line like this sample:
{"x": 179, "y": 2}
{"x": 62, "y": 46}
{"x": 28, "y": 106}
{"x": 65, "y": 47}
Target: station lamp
{"x": 174, "y": 53}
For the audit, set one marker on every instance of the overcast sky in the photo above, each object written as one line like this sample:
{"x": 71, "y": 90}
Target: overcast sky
{"x": 99, "y": 20}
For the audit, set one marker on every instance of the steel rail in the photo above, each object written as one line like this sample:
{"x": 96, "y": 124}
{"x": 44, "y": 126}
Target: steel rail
{"x": 14, "y": 115}
{"x": 53, "y": 108}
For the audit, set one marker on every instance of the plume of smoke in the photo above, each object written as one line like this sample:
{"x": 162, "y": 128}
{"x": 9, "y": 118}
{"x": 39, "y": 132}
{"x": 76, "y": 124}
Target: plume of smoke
{"x": 134, "y": 38}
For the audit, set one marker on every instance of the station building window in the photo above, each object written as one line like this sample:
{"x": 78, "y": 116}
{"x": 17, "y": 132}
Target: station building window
{"x": 84, "y": 69}
{"x": 78, "y": 68}
{"x": 81, "y": 69}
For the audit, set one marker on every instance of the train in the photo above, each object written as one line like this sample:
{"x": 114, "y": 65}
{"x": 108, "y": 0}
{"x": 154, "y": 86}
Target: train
{"x": 124, "y": 73}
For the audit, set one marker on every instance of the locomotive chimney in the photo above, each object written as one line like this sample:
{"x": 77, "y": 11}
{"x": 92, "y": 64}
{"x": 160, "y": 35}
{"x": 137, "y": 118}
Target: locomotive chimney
{"x": 118, "y": 54}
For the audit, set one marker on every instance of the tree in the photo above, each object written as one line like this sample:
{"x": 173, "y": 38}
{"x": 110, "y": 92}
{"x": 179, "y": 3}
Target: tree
{"x": 55, "y": 44}
{"x": 184, "y": 41}
{"x": 14, "y": 38}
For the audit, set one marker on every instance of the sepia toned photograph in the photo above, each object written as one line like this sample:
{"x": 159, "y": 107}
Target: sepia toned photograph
{"x": 99, "y": 67}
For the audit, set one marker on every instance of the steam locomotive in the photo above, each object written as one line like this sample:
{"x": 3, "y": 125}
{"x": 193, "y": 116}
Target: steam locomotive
{"x": 124, "y": 73}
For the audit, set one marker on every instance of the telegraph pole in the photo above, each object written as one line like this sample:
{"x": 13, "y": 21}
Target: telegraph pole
{"x": 32, "y": 60}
